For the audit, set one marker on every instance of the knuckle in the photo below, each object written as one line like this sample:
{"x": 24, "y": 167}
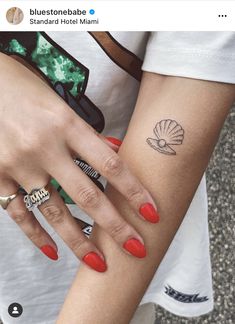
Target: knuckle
{"x": 113, "y": 165}
{"x": 59, "y": 122}
{"x": 135, "y": 193}
{"x": 89, "y": 197}
{"x": 19, "y": 216}
{"x": 78, "y": 244}
{"x": 118, "y": 229}
{"x": 29, "y": 145}
{"x": 62, "y": 120}
{"x": 36, "y": 235}
{"x": 7, "y": 162}
{"x": 53, "y": 214}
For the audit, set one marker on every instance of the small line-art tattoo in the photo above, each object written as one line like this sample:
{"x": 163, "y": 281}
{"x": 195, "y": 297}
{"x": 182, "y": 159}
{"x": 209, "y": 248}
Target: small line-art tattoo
{"x": 168, "y": 132}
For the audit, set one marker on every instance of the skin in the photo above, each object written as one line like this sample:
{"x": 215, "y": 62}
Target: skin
{"x": 49, "y": 134}
{"x": 200, "y": 107}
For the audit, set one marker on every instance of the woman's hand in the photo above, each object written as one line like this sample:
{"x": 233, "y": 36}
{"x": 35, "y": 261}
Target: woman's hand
{"x": 39, "y": 137}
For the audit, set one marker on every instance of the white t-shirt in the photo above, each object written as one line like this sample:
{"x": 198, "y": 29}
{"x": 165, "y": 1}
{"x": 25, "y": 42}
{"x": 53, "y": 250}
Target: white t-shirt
{"x": 98, "y": 77}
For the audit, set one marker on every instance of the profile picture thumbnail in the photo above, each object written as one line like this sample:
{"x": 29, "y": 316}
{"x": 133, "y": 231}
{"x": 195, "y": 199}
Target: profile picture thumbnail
{"x": 14, "y": 15}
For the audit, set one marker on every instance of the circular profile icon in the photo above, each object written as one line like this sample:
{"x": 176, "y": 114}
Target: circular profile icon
{"x": 15, "y": 310}
{"x": 14, "y": 15}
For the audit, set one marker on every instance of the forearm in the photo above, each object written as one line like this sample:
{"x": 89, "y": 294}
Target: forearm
{"x": 200, "y": 108}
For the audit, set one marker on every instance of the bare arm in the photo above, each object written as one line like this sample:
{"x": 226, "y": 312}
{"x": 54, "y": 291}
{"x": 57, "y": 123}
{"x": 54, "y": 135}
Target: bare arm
{"x": 200, "y": 107}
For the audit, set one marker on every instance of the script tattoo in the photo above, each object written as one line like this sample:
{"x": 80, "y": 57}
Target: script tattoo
{"x": 168, "y": 132}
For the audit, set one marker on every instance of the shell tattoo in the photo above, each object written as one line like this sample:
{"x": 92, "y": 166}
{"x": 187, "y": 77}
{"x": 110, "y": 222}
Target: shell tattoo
{"x": 168, "y": 132}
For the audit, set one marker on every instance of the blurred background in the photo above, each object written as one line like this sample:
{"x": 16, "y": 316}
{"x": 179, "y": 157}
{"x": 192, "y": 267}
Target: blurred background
{"x": 221, "y": 196}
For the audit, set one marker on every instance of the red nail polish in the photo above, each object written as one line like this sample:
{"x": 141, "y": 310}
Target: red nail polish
{"x": 149, "y": 213}
{"x": 94, "y": 261}
{"x": 135, "y": 247}
{"x": 49, "y": 251}
{"x": 114, "y": 140}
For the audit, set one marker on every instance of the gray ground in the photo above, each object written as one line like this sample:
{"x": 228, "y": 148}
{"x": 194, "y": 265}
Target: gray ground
{"x": 221, "y": 195}
{"x": 220, "y": 183}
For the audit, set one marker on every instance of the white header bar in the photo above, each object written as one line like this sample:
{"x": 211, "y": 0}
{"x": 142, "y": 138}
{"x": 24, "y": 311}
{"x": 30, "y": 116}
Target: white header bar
{"x": 119, "y": 15}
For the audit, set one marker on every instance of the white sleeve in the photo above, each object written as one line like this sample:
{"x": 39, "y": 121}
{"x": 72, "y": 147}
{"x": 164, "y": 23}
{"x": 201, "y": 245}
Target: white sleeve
{"x": 199, "y": 55}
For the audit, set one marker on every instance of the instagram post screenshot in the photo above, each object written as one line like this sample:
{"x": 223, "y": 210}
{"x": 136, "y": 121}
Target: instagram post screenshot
{"x": 117, "y": 162}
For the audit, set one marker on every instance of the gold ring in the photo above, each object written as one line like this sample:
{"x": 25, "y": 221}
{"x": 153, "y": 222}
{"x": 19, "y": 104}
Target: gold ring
{"x": 5, "y": 201}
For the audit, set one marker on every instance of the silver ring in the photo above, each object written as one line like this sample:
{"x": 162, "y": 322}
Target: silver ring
{"x": 5, "y": 201}
{"x": 36, "y": 197}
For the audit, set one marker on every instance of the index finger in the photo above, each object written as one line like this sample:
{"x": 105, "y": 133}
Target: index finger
{"x": 114, "y": 169}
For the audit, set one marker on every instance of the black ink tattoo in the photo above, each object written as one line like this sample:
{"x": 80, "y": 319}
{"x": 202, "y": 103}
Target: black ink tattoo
{"x": 168, "y": 132}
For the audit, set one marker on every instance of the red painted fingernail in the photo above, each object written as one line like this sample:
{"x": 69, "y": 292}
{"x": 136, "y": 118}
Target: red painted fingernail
{"x": 93, "y": 260}
{"x": 149, "y": 213}
{"x": 135, "y": 247}
{"x": 50, "y": 252}
{"x": 114, "y": 140}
